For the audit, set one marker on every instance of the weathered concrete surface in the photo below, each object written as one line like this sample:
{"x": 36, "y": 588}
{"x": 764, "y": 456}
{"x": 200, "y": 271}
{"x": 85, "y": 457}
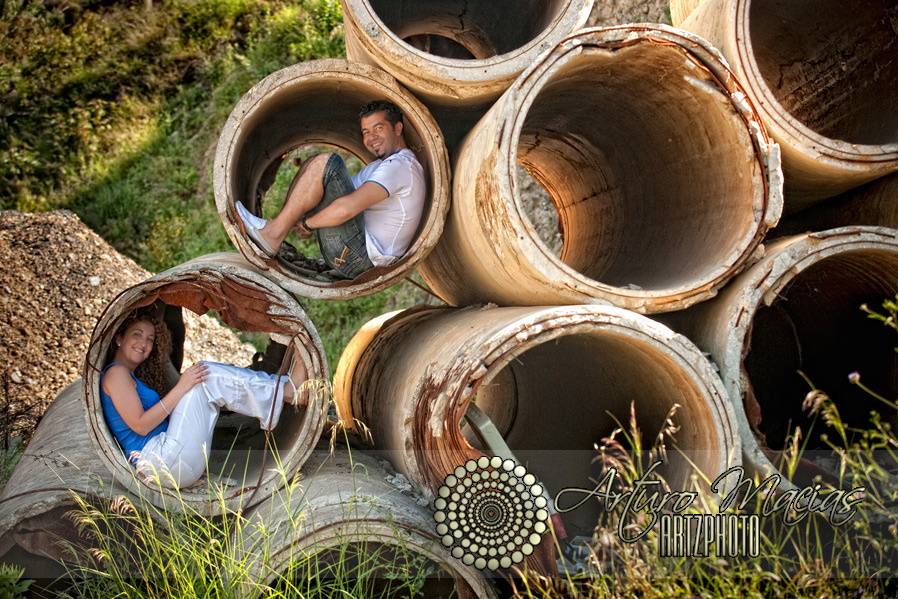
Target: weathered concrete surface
{"x": 824, "y": 78}
{"x": 553, "y": 380}
{"x": 656, "y": 213}
{"x": 347, "y": 498}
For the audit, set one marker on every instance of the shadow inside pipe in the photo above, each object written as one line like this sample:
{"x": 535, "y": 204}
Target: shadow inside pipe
{"x": 654, "y": 181}
{"x": 816, "y": 326}
{"x": 467, "y": 30}
{"x": 832, "y": 65}
{"x": 556, "y": 401}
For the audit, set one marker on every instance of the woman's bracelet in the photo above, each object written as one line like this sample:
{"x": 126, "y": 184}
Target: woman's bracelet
{"x": 164, "y": 407}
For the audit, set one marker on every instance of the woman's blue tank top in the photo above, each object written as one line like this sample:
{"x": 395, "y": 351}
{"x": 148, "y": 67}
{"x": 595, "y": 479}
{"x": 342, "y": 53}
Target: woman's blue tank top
{"x": 127, "y": 438}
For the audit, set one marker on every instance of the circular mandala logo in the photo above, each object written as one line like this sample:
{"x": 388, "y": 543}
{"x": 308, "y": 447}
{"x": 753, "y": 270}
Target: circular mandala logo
{"x": 491, "y": 513}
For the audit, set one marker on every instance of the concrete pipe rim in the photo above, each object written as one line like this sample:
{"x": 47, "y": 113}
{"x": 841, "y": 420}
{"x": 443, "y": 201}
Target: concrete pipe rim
{"x": 784, "y": 264}
{"x": 424, "y": 138}
{"x": 857, "y": 156}
{"x": 767, "y": 203}
{"x": 567, "y": 16}
{"x": 289, "y": 322}
{"x": 363, "y": 531}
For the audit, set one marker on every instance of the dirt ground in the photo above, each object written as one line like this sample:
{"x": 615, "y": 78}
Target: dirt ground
{"x": 56, "y": 277}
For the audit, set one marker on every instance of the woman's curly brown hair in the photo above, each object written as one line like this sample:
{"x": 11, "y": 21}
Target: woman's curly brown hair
{"x": 151, "y": 371}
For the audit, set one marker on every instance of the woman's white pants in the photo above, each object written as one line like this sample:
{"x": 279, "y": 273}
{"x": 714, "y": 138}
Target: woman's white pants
{"x": 180, "y": 454}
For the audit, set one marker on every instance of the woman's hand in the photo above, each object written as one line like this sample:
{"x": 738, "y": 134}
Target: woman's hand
{"x": 191, "y": 377}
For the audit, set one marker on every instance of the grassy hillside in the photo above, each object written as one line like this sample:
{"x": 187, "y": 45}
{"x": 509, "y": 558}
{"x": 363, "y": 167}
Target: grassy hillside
{"x": 113, "y": 109}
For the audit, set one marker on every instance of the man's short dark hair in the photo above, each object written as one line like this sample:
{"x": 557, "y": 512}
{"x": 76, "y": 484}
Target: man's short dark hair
{"x": 394, "y": 115}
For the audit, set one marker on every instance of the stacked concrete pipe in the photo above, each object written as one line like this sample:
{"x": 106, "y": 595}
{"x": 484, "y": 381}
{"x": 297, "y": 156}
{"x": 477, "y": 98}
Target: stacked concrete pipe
{"x": 798, "y": 309}
{"x": 316, "y": 103}
{"x": 554, "y": 380}
{"x": 59, "y": 461}
{"x": 664, "y": 186}
{"x": 247, "y": 301}
{"x": 824, "y": 78}
{"x": 457, "y": 56}
{"x": 343, "y": 502}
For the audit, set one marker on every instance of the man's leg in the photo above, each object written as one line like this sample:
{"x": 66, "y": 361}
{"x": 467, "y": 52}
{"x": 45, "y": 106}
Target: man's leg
{"x": 306, "y": 191}
{"x": 343, "y": 246}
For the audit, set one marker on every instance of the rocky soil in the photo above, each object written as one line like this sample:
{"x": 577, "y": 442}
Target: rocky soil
{"x": 56, "y": 277}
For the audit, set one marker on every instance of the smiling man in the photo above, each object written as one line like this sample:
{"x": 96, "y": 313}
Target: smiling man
{"x": 363, "y": 221}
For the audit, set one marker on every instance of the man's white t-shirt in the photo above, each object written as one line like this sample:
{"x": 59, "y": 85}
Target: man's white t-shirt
{"x": 391, "y": 223}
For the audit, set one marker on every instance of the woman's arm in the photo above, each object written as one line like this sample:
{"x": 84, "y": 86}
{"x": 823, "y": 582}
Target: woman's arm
{"x": 121, "y": 388}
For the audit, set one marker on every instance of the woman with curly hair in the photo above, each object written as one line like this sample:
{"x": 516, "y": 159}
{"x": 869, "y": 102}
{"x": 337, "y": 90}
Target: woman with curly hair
{"x": 171, "y": 435}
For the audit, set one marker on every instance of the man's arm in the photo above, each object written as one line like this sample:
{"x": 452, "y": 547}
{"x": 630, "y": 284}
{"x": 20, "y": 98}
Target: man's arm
{"x": 346, "y": 207}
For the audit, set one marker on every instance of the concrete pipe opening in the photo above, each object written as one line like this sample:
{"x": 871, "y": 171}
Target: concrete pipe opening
{"x": 555, "y": 381}
{"x": 798, "y": 310}
{"x": 244, "y": 459}
{"x": 346, "y": 521}
{"x": 815, "y": 325}
{"x": 824, "y": 76}
{"x": 453, "y": 52}
{"x": 662, "y": 186}
{"x": 316, "y": 103}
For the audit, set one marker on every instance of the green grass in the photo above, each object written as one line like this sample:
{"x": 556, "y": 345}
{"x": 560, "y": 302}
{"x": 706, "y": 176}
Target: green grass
{"x": 113, "y": 111}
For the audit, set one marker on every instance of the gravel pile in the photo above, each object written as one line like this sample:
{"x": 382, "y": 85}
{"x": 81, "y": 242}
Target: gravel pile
{"x": 56, "y": 278}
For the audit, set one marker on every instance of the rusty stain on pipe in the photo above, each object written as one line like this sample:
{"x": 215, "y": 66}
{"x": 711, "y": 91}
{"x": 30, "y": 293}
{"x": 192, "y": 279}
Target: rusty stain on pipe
{"x": 454, "y": 52}
{"x": 799, "y": 309}
{"x": 245, "y": 300}
{"x": 317, "y": 103}
{"x": 547, "y": 376}
{"x": 344, "y": 499}
{"x": 823, "y": 76}
{"x": 661, "y": 173}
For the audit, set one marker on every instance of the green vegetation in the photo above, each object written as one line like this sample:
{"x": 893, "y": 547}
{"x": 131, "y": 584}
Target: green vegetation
{"x": 139, "y": 550}
{"x": 113, "y": 110}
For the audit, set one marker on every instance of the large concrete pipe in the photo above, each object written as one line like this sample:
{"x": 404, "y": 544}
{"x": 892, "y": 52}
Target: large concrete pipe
{"x": 555, "y": 381}
{"x": 345, "y": 506}
{"x": 874, "y": 204}
{"x": 798, "y": 309}
{"x": 59, "y": 461}
{"x": 317, "y": 103}
{"x": 824, "y": 76}
{"x": 453, "y": 52}
{"x": 242, "y": 455}
{"x": 664, "y": 186}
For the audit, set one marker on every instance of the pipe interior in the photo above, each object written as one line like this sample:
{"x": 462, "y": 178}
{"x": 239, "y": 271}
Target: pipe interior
{"x": 833, "y": 65}
{"x": 816, "y": 326}
{"x": 652, "y": 178}
{"x": 374, "y": 570}
{"x": 238, "y": 449}
{"x": 320, "y": 113}
{"x": 553, "y": 402}
{"x": 467, "y": 30}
